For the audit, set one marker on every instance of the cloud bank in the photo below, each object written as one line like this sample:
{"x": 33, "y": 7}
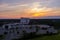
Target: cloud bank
{"x": 29, "y": 8}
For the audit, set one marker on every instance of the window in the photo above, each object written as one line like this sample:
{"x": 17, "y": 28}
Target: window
{"x": 5, "y": 33}
{"x": 17, "y": 24}
{"x": 11, "y": 28}
{"x": 37, "y": 28}
{"x": 6, "y": 27}
{"x": 16, "y": 27}
{"x": 17, "y": 32}
{"x": 24, "y": 32}
{"x": 44, "y": 28}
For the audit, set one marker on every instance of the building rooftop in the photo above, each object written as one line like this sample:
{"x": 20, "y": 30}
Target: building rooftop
{"x": 32, "y": 21}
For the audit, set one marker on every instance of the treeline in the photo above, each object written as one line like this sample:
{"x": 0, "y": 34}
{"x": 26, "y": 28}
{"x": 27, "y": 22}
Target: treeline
{"x": 51, "y": 22}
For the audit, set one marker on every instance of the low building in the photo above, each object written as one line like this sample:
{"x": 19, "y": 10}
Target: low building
{"x": 17, "y": 30}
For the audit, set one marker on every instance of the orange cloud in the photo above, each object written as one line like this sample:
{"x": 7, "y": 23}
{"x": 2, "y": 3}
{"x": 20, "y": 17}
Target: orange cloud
{"x": 30, "y": 13}
{"x": 27, "y": 10}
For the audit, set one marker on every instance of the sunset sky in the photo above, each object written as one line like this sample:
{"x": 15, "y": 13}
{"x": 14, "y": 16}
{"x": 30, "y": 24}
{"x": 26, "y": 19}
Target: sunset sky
{"x": 29, "y": 8}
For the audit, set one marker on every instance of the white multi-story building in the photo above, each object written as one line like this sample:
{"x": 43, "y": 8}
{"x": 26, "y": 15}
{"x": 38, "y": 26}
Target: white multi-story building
{"x": 17, "y": 30}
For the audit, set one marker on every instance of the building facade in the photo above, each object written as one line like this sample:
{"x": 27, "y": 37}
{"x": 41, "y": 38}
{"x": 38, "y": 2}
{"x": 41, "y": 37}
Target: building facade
{"x": 17, "y": 30}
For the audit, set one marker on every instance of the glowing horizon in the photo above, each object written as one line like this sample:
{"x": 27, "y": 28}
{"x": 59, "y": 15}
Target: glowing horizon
{"x": 29, "y": 8}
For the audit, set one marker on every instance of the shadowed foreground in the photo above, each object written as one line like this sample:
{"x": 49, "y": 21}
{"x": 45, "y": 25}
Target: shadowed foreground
{"x": 47, "y": 37}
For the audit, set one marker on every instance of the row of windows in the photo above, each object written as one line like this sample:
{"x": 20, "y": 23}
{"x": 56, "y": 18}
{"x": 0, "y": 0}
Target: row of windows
{"x": 44, "y": 28}
{"x": 13, "y": 32}
{"x": 6, "y": 27}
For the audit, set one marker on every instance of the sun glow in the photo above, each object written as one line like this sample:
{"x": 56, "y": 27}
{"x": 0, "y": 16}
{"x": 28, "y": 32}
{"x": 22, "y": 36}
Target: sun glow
{"x": 35, "y": 10}
{"x": 36, "y": 14}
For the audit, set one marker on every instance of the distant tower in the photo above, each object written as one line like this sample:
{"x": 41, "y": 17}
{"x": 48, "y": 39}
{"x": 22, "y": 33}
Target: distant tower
{"x": 24, "y": 21}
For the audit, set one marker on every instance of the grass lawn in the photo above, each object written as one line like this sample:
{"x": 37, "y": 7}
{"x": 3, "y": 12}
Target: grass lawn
{"x": 48, "y": 37}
